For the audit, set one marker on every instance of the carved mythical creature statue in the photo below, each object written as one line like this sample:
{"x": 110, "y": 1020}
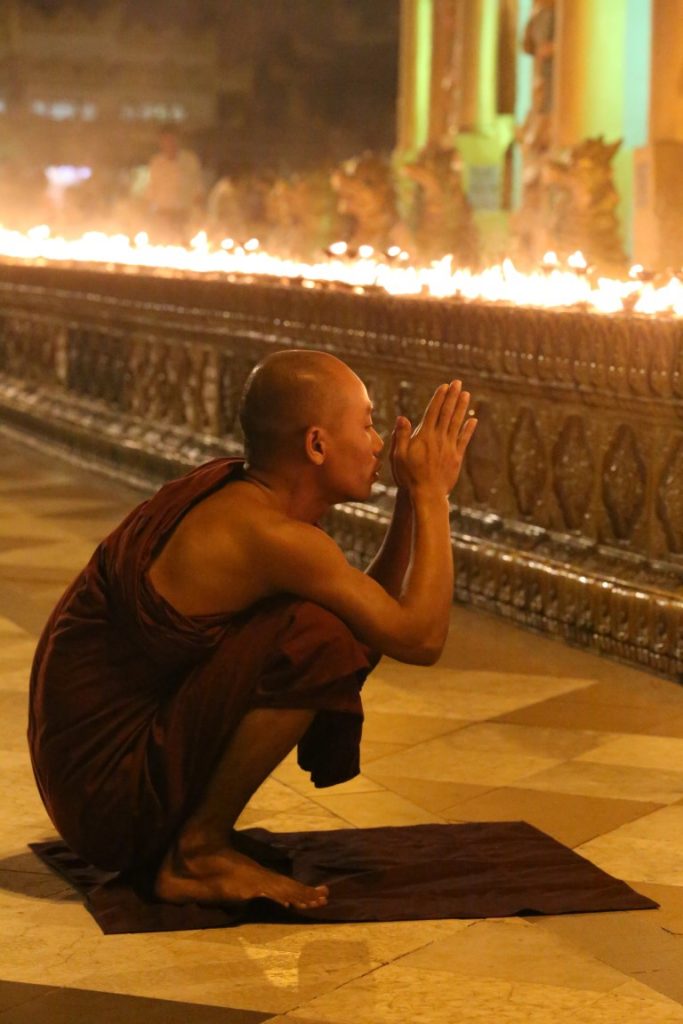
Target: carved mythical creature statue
{"x": 301, "y": 215}
{"x": 443, "y": 221}
{"x": 225, "y": 211}
{"x": 366, "y": 197}
{"x": 582, "y": 201}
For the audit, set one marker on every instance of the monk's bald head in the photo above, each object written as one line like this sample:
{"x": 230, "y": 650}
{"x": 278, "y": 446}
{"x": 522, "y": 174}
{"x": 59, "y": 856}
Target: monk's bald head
{"x": 287, "y": 394}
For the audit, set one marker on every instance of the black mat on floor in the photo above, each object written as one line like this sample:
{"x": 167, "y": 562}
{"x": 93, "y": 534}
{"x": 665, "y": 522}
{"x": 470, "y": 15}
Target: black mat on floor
{"x": 489, "y": 869}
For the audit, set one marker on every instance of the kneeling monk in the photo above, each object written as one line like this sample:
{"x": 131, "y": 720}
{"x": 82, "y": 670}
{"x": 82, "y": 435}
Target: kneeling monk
{"x": 218, "y": 626}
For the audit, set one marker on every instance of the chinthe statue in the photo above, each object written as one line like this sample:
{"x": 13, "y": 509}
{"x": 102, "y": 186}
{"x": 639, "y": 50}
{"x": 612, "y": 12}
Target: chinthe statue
{"x": 582, "y": 201}
{"x": 366, "y": 198}
{"x": 443, "y": 220}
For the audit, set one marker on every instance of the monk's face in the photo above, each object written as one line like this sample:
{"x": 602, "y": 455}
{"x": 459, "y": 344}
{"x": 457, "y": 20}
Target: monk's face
{"x": 353, "y": 448}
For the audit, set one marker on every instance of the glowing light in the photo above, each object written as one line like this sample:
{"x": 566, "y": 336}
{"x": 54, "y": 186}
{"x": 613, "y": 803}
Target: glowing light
{"x": 200, "y": 240}
{"x": 577, "y": 261}
{"x": 553, "y": 285}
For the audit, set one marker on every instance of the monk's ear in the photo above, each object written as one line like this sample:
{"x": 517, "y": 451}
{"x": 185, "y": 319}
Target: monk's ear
{"x": 316, "y": 445}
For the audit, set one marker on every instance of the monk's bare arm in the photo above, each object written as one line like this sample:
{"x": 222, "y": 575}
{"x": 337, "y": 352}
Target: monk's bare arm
{"x": 390, "y": 564}
{"x": 300, "y": 559}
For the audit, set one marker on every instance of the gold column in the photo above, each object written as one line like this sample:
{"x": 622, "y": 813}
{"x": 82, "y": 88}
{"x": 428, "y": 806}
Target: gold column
{"x": 446, "y": 83}
{"x": 406, "y": 77}
{"x": 666, "y": 95}
{"x": 571, "y": 45}
{"x": 415, "y": 57}
{"x": 469, "y": 64}
{"x": 658, "y": 194}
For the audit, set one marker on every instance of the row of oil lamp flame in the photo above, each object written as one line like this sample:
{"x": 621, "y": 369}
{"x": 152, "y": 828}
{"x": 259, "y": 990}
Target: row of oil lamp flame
{"x": 552, "y": 285}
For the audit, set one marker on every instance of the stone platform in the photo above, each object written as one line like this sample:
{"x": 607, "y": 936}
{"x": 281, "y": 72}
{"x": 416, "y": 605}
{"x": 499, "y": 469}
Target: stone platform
{"x": 569, "y": 517}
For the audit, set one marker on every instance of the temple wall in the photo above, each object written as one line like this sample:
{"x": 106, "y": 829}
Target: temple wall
{"x": 569, "y": 515}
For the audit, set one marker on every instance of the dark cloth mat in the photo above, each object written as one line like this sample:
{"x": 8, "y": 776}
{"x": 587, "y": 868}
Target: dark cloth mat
{"x": 483, "y": 869}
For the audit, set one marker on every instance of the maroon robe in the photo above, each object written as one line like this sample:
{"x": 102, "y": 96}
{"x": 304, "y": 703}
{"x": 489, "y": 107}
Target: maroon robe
{"x": 132, "y": 703}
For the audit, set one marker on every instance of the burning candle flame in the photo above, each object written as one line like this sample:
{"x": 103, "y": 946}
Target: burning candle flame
{"x": 552, "y": 286}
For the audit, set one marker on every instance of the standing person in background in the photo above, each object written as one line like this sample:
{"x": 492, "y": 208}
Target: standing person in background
{"x": 175, "y": 188}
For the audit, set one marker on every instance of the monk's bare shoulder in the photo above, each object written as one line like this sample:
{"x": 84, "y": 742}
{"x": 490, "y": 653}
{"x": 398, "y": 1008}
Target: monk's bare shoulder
{"x": 211, "y": 563}
{"x": 234, "y": 549}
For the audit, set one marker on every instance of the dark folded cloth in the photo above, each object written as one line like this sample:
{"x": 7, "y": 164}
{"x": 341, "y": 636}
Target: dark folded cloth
{"x": 484, "y": 869}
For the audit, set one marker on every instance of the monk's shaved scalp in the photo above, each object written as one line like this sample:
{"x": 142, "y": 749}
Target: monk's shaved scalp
{"x": 285, "y": 395}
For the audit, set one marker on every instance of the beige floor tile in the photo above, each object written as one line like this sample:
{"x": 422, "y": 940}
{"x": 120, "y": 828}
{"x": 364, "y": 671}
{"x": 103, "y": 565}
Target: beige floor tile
{"x": 663, "y": 825}
{"x": 429, "y": 793}
{"x": 648, "y": 859}
{"x": 617, "y": 1007}
{"x": 23, "y": 817}
{"x": 670, "y": 898}
{"x": 396, "y": 994}
{"x": 292, "y": 776}
{"x": 626, "y": 940}
{"x": 633, "y": 692}
{"x": 513, "y": 950}
{"x": 636, "y": 943}
{"x": 343, "y": 944}
{"x": 569, "y": 818}
{"x": 662, "y": 752}
{"x": 13, "y": 717}
{"x": 273, "y": 797}
{"x": 267, "y": 980}
{"x": 383, "y": 726}
{"x": 308, "y": 816}
{"x": 567, "y": 713}
{"x": 24, "y": 861}
{"x": 462, "y": 695}
{"x": 292, "y": 1018}
{"x": 9, "y": 631}
{"x": 17, "y": 658}
{"x": 672, "y": 726}
{"x": 288, "y": 1018}
{"x": 446, "y": 759}
{"x": 15, "y": 680}
{"x": 366, "y": 810}
{"x": 536, "y": 741}
{"x": 607, "y": 780}
{"x": 239, "y": 975}
{"x": 32, "y": 885}
{"x": 371, "y": 750}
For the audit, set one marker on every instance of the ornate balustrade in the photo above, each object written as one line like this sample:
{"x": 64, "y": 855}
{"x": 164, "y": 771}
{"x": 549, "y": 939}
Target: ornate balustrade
{"x": 569, "y": 515}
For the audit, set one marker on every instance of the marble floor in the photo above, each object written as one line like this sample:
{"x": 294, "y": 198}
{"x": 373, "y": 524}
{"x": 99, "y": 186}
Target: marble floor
{"x": 507, "y": 726}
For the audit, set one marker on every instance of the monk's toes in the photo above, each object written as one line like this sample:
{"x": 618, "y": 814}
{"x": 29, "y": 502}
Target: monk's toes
{"x": 316, "y": 899}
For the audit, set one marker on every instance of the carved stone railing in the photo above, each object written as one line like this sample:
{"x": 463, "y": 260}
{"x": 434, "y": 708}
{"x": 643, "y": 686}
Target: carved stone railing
{"x": 570, "y": 513}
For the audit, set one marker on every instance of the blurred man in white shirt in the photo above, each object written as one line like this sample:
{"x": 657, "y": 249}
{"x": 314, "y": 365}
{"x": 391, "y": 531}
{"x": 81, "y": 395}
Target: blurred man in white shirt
{"x": 175, "y": 188}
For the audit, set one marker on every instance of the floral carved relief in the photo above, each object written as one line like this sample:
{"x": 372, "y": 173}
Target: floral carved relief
{"x": 573, "y": 472}
{"x": 483, "y": 461}
{"x": 623, "y": 482}
{"x": 527, "y": 463}
{"x": 670, "y": 497}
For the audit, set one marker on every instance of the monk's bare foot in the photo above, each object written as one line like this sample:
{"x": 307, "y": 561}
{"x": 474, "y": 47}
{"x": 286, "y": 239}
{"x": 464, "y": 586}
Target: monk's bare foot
{"x": 226, "y": 876}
